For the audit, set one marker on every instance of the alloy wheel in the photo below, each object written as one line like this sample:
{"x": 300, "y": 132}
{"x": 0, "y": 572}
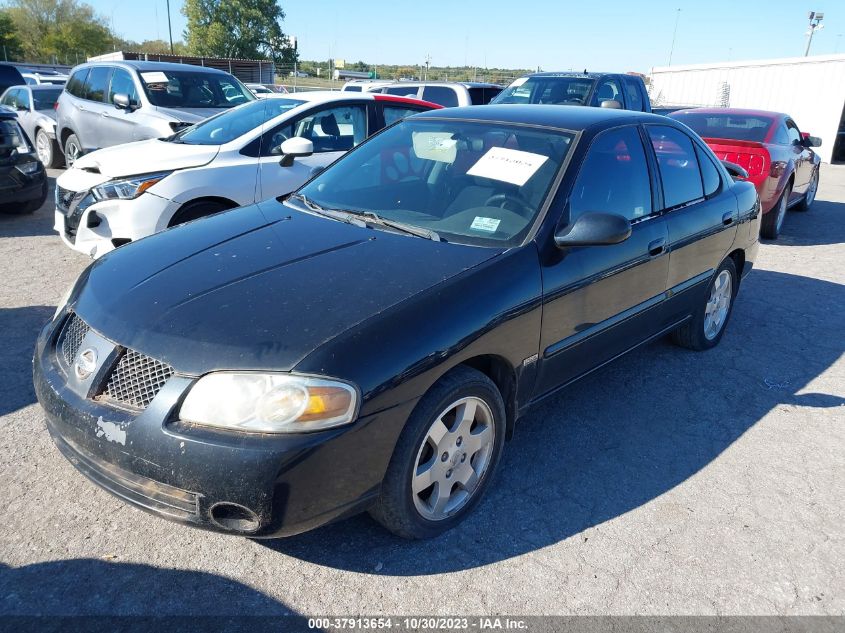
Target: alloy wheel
{"x": 716, "y": 311}
{"x": 811, "y": 189}
{"x": 44, "y": 149}
{"x": 72, "y": 152}
{"x": 453, "y": 458}
{"x": 784, "y": 203}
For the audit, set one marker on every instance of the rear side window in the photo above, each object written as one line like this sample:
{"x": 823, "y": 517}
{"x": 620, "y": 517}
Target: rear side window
{"x": 77, "y": 82}
{"x": 402, "y": 91}
{"x": 613, "y": 177}
{"x": 122, "y": 83}
{"x": 97, "y": 83}
{"x": 678, "y": 165}
{"x": 393, "y": 113}
{"x": 352, "y": 88}
{"x": 443, "y": 95}
{"x": 710, "y": 177}
{"x": 632, "y": 92}
{"x": 483, "y": 96}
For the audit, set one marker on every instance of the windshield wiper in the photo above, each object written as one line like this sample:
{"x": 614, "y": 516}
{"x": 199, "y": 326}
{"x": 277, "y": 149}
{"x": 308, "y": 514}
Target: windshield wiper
{"x": 411, "y": 229}
{"x": 329, "y": 213}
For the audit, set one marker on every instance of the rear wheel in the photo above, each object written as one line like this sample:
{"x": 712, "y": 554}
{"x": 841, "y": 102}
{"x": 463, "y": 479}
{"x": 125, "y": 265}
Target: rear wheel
{"x": 707, "y": 325}
{"x": 810, "y": 194}
{"x": 198, "y": 209}
{"x": 73, "y": 150}
{"x": 445, "y": 457}
{"x": 773, "y": 220}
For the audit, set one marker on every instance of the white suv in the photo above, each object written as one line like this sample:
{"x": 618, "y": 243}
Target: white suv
{"x": 446, "y": 93}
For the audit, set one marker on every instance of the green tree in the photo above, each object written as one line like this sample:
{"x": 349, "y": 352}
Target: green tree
{"x": 58, "y": 29}
{"x": 9, "y": 37}
{"x": 247, "y": 29}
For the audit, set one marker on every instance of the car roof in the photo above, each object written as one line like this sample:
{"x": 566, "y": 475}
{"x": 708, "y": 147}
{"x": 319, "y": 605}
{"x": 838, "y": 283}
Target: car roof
{"x": 465, "y": 84}
{"x": 572, "y": 73}
{"x": 765, "y": 114}
{"x": 573, "y": 118}
{"x": 39, "y": 87}
{"x": 325, "y": 96}
{"x": 143, "y": 66}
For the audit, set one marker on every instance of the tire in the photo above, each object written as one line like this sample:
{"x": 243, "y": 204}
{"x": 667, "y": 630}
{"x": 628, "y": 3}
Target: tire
{"x": 697, "y": 333}
{"x": 810, "y": 195}
{"x": 47, "y": 150}
{"x": 197, "y": 209}
{"x": 27, "y": 207}
{"x": 72, "y": 149}
{"x": 414, "y": 514}
{"x": 773, "y": 220}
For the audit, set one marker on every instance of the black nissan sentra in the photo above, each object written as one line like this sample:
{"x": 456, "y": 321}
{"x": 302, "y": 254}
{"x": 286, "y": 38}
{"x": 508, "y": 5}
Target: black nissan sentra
{"x": 370, "y": 342}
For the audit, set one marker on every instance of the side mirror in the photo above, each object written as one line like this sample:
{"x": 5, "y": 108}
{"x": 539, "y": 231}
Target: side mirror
{"x": 293, "y": 148}
{"x": 611, "y": 103}
{"x": 594, "y": 229}
{"x": 736, "y": 172}
{"x": 122, "y": 102}
{"x": 811, "y": 141}
{"x": 21, "y": 108}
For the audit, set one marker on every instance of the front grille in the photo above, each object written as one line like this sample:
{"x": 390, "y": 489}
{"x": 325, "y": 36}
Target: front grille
{"x": 71, "y": 337}
{"x": 137, "y": 379}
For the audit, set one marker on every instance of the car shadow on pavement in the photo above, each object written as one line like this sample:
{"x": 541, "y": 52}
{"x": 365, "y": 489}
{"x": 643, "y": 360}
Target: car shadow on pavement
{"x": 31, "y": 224}
{"x": 621, "y": 437}
{"x": 94, "y": 587}
{"x": 823, "y": 224}
{"x": 19, "y": 328}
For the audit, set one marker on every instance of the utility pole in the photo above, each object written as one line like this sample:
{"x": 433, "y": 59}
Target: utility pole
{"x": 674, "y": 33}
{"x": 169, "y": 29}
{"x": 816, "y": 18}
{"x": 427, "y": 64}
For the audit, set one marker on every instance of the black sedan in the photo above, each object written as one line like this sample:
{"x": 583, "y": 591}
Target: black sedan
{"x": 370, "y": 341}
{"x": 23, "y": 181}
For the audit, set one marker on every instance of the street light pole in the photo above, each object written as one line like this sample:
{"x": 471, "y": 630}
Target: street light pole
{"x": 169, "y": 29}
{"x": 674, "y": 33}
{"x": 815, "y": 23}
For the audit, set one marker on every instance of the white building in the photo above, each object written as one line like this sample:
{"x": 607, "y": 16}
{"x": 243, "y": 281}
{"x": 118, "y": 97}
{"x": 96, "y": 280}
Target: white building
{"x": 810, "y": 89}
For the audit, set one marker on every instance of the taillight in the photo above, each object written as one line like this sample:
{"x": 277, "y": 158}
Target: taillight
{"x": 56, "y": 105}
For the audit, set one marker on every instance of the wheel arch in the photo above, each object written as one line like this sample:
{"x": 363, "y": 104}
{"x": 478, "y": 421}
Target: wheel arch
{"x": 226, "y": 202}
{"x": 738, "y": 257}
{"x": 503, "y": 375}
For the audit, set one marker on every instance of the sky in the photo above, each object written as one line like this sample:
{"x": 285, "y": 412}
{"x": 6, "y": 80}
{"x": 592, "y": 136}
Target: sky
{"x": 619, "y": 35}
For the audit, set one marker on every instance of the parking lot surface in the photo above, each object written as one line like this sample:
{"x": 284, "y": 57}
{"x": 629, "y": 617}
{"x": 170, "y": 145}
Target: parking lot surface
{"x": 671, "y": 482}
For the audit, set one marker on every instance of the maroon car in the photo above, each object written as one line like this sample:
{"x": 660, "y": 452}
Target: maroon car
{"x": 770, "y": 147}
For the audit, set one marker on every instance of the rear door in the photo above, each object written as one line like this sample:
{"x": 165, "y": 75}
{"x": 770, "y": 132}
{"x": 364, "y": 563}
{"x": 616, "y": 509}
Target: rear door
{"x": 93, "y": 108}
{"x": 334, "y": 129}
{"x": 599, "y": 301}
{"x": 701, "y": 215}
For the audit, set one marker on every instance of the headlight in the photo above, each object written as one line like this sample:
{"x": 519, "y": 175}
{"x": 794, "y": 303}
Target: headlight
{"x": 127, "y": 188}
{"x": 27, "y": 168}
{"x": 269, "y": 403}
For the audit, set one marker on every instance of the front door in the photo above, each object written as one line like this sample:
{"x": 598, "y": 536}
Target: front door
{"x": 118, "y": 125}
{"x": 599, "y": 301}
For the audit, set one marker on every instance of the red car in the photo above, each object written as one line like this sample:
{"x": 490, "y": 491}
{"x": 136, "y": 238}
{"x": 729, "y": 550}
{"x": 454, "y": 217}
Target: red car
{"x": 770, "y": 147}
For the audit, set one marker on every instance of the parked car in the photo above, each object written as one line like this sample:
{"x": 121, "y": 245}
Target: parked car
{"x": 44, "y": 77}
{"x": 35, "y": 107}
{"x": 606, "y": 90}
{"x": 364, "y": 85}
{"x": 446, "y": 93}
{"x": 260, "y": 90}
{"x": 109, "y": 103}
{"x": 229, "y": 160}
{"x": 9, "y": 76}
{"x": 370, "y": 341}
{"x": 23, "y": 181}
{"x": 778, "y": 158}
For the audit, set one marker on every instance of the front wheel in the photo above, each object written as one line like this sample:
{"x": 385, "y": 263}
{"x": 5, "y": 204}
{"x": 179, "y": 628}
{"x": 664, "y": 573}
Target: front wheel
{"x": 445, "y": 457}
{"x": 708, "y": 322}
{"x": 810, "y": 194}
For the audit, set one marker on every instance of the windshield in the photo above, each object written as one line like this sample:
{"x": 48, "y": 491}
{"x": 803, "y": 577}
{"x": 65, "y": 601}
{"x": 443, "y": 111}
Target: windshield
{"x": 46, "y": 99}
{"x": 227, "y": 126}
{"x": 188, "y": 89}
{"x": 470, "y": 182}
{"x": 554, "y": 90}
{"x": 740, "y": 127}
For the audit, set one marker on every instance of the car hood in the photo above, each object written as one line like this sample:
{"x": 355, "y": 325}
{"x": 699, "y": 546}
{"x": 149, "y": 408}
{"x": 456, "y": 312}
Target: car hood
{"x": 259, "y": 287}
{"x": 188, "y": 115}
{"x": 141, "y": 157}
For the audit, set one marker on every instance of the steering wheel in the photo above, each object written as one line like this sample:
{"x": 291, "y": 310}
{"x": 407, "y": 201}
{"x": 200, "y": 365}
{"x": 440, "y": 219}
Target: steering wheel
{"x": 501, "y": 199}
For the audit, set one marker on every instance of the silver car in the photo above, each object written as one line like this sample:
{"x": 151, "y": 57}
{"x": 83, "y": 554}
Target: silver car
{"x": 114, "y": 102}
{"x": 35, "y": 106}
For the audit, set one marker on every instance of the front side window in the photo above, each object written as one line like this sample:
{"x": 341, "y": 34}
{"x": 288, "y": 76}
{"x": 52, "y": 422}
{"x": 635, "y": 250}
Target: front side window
{"x": 97, "y": 83}
{"x": 793, "y": 133}
{"x": 190, "y": 89}
{"x": 678, "y": 165}
{"x": 23, "y": 99}
{"x": 8, "y": 98}
{"x": 471, "y": 182}
{"x": 632, "y": 91}
{"x": 227, "y": 126}
{"x": 441, "y": 95}
{"x": 337, "y": 129}
{"x": 613, "y": 177}
{"x": 544, "y": 89}
{"x": 77, "y": 82}
{"x": 122, "y": 83}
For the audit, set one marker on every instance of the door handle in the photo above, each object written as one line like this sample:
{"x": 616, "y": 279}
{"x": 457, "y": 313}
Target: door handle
{"x": 728, "y": 218}
{"x": 656, "y": 247}
{"x": 104, "y": 114}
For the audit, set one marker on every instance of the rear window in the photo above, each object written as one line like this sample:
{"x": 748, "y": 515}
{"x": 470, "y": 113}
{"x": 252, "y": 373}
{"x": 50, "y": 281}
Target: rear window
{"x": 740, "y": 127}
{"x": 46, "y": 99}
{"x": 443, "y": 95}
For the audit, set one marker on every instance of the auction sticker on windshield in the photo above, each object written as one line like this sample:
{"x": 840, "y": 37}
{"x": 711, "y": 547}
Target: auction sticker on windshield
{"x": 155, "y": 77}
{"x": 485, "y": 224}
{"x": 507, "y": 165}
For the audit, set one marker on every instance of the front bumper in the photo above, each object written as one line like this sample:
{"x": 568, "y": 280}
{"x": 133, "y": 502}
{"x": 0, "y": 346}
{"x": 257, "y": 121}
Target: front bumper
{"x": 262, "y": 486}
{"x": 105, "y": 225}
{"x": 17, "y": 188}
